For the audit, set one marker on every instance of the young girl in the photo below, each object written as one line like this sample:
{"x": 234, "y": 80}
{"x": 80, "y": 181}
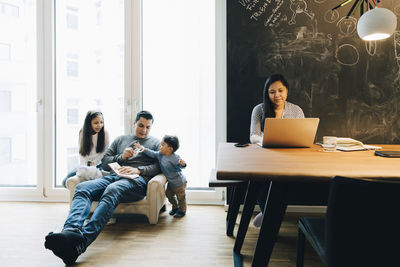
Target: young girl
{"x": 93, "y": 142}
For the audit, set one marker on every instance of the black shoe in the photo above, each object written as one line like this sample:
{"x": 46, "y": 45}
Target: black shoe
{"x": 66, "y": 245}
{"x": 173, "y": 211}
{"x": 179, "y": 214}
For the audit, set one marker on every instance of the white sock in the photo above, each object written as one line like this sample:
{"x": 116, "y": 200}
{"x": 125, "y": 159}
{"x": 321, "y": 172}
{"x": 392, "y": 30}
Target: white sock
{"x": 258, "y": 220}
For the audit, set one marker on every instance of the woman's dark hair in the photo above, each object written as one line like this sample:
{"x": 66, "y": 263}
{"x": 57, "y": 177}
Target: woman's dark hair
{"x": 87, "y": 132}
{"x": 172, "y": 141}
{"x": 268, "y": 107}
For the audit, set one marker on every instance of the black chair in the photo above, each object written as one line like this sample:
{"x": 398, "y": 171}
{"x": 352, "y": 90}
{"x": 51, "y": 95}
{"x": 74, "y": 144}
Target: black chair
{"x": 361, "y": 228}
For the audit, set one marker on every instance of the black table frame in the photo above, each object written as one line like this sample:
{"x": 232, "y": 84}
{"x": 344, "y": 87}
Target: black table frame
{"x": 279, "y": 196}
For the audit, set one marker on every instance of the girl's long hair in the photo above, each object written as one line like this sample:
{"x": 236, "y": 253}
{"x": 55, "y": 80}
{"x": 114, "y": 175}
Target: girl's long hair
{"x": 87, "y": 132}
{"x": 268, "y": 106}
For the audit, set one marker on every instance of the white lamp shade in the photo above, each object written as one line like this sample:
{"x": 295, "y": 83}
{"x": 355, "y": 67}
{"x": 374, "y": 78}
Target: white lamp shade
{"x": 377, "y": 24}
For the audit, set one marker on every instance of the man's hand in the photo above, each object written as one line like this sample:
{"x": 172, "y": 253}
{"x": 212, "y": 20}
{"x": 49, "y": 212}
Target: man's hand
{"x": 128, "y": 152}
{"x": 128, "y": 170}
{"x": 137, "y": 145}
{"x": 182, "y": 162}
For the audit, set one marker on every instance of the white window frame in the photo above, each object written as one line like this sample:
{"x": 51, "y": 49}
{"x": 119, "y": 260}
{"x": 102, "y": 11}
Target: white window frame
{"x": 36, "y": 193}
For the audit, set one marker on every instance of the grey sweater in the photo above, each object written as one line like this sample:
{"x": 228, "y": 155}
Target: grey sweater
{"x": 148, "y": 166}
{"x": 257, "y": 121}
{"x": 170, "y": 167}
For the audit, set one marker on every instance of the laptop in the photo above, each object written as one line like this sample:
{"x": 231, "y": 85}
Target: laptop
{"x": 289, "y": 132}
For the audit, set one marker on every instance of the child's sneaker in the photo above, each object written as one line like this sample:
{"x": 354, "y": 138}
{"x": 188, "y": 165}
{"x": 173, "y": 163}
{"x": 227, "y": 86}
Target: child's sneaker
{"x": 179, "y": 214}
{"x": 173, "y": 211}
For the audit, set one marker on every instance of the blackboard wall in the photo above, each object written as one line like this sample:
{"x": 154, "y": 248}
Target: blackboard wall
{"x": 350, "y": 84}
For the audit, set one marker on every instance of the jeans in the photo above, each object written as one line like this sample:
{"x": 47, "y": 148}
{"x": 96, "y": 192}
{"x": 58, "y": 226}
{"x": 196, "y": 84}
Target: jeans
{"x": 109, "y": 191}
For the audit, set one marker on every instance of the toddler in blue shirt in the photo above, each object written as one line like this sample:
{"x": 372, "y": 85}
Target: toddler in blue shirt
{"x": 171, "y": 165}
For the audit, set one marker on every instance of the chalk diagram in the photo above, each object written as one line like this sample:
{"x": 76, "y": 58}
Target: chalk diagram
{"x": 331, "y": 16}
{"x": 347, "y": 55}
{"x": 397, "y": 10}
{"x": 347, "y": 26}
{"x": 370, "y": 46}
{"x": 298, "y": 7}
{"x": 397, "y": 44}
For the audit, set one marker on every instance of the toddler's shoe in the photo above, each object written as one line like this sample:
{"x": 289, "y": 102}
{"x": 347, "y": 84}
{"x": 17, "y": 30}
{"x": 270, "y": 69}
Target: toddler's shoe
{"x": 179, "y": 214}
{"x": 173, "y": 211}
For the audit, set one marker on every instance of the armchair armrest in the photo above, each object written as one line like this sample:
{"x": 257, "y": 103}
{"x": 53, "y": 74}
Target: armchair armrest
{"x": 156, "y": 184}
{"x": 156, "y": 196}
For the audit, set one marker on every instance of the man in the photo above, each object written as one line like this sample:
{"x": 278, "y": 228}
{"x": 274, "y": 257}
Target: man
{"x": 109, "y": 191}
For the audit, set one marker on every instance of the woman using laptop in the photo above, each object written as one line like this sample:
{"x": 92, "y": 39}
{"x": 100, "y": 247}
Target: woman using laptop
{"x": 274, "y": 106}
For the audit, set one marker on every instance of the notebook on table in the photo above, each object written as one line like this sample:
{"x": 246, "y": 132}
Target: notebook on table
{"x": 289, "y": 132}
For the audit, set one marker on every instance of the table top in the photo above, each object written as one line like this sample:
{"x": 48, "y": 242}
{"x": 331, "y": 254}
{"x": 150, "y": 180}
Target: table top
{"x": 303, "y": 164}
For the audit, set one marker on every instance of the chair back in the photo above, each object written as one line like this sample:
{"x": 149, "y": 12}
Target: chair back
{"x": 363, "y": 223}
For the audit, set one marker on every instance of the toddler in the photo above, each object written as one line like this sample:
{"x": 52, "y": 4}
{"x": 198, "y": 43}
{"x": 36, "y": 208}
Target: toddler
{"x": 171, "y": 165}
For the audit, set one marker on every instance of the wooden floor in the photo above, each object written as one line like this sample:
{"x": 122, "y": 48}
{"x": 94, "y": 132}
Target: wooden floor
{"x": 198, "y": 239}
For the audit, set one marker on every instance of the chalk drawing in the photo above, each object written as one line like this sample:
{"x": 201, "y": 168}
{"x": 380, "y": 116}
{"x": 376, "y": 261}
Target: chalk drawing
{"x": 319, "y": 1}
{"x": 298, "y": 7}
{"x": 276, "y": 17}
{"x": 244, "y": 2}
{"x": 397, "y": 10}
{"x": 370, "y": 46}
{"x": 396, "y": 37}
{"x": 347, "y": 55}
{"x": 347, "y": 26}
{"x": 331, "y": 16}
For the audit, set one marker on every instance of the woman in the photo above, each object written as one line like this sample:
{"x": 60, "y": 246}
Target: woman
{"x": 274, "y": 106}
{"x": 93, "y": 142}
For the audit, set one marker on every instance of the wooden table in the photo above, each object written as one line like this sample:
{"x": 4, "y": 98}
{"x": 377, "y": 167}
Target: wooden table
{"x": 285, "y": 167}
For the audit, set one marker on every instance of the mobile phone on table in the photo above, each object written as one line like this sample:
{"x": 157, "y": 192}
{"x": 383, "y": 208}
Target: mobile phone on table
{"x": 241, "y": 144}
{"x": 388, "y": 154}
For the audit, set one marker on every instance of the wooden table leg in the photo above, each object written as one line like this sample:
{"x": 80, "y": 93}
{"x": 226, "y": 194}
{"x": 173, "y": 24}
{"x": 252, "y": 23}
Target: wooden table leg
{"x": 248, "y": 209}
{"x": 275, "y": 209}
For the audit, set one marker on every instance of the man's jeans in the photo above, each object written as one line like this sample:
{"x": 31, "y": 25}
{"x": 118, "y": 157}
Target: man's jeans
{"x": 109, "y": 191}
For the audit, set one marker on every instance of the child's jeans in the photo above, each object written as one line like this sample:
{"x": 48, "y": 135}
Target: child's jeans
{"x": 177, "y": 197}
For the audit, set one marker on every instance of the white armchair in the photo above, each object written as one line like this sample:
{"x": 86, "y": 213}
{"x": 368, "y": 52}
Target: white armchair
{"x": 149, "y": 206}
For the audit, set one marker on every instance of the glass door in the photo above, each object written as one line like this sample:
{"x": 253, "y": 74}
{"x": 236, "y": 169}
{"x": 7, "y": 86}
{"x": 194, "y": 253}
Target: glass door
{"x": 179, "y": 81}
{"x": 18, "y": 97}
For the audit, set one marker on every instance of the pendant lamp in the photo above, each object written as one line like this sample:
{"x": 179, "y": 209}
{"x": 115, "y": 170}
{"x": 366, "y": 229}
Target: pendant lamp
{"x": 376, "y": 24}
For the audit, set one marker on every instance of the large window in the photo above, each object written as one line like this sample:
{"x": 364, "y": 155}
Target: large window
{"x": 18, "y": 94}
{"x": 62, "y": 58}
{"x": 89, "y": 72}
{"x": 179, "y": 79}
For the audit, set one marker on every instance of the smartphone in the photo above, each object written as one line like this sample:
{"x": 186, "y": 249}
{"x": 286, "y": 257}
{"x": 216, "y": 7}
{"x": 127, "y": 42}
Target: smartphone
{"x": 388, "y": 154}
{"x": 241, "y": 144}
